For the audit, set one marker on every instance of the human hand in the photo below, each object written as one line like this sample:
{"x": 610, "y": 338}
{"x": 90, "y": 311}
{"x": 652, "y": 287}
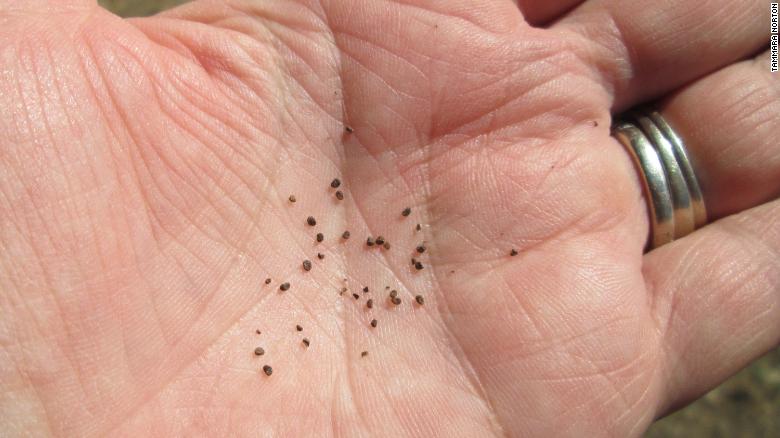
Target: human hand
{"x": 146, "y": 168}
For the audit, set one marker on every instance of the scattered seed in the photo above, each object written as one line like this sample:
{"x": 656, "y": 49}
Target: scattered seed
{"x": 414, "y": 261}
{"x": 258, "y": 331}
{"x": 418, "y": 227}
{"x": 420, "y": 300}
{"x": 387, "y": 287}
{"x": 311, "y": 221}
{"x": 348, "y": 129}
{"x": 386, "y": 245}
{"x": 373, "y": 323}
{"x": 421, "y": 248}
{"x": 407, "y": 211}
{"x": 320, "y": 237}
{"x": 365, "y": 289}
{"x": 595, "y": 123}
{"x": 393, "y": 293}
{"x": 356, "y": 296}
{"x": 268, "y": 370}
{"x": 292, "y": 198}
{"x": 370, "y": 242}
{"x": 267, "y": 281}
{"x": 305, "y": 342}
{"x": 307, "y": 265}
{"x": 343, "y": 289}
{"x": 396, "y": 301}
{"x": 320, "y": 255}
{"x": 339, "y": 195}
{"x": 335, "y": 183}
{"x": 370, "y": 303}
{"x": 418, "y": 266}
{"x": 380, "y": 240}
{"x": 259, "y": 351}
{"x": 345, "y": 235}
{"x": 513, "y": 252}
{"x": 364, "y": 354}
{"x": 298, "y": 327}
{"x": 284, "y": 286}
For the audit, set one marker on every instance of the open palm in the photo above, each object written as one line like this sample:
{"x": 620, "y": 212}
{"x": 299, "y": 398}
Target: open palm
{"x": 145, "y": 171}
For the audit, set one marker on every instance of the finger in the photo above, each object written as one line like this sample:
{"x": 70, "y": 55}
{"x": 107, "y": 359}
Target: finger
{"x": 641, "y": 50}
{"x": 729, "y": 121}
{"x": 540, "y": 12}
{"x": 716, "y": 300}
{"x": 15, "y": 6}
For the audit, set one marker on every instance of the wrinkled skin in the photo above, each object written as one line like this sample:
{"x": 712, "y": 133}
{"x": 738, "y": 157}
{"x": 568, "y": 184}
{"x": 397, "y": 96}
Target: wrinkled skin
{"x": 145, "y": 170}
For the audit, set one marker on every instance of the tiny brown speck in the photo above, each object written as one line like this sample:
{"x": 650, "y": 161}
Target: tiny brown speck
{"x": 370, "y": 242}
{"x": 292, "y": 198}
{"x": 364, "y": 354}
{"x": 268, "y": 370}
{"x": 396, "y": 301}
{"x": 335, "y": 183}
{"x": 418, "y": 227}
{"x": 513, "y": 252}
{"x": 307, "y": 265}
{"x": 421, "y": 249}
{"x": 348, "y": 129}
{"x": 259, "y": 351}
{"x": 386, "y": 245}
{"x": 267, "y": 281}
{"x": 258, "y": 331}
{"x": 343, "y": 289}
{"x": 284, "y": 286}
{"x": 420, "y": 300}
{"x": 356, "y": 296}
{"x": 414, "y": 261}
{"x": 373, "y": 323}
{"x": 370, "y": 303}
{"x": 407, "y": 211}
{"x": 418, "y": 266}
{"x": 380, "y": 240}
{"x": 345, "y": 235}
{"x": 365, "y": 289}
{"x": 393, "y": 293}
{"x": 311, "y": 221}
{"x": 339, "y": 195}
{"x": 320, "y": 255}
{"x": 320, "y": 237}
{"x": 595, "y": 123}
{"x": 299, "y": 328}
{"x": 305, "y": 342}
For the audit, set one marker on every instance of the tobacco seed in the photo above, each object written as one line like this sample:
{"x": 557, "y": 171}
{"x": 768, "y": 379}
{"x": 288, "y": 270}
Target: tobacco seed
{"x": 396, "y": 301}
{"x": 267, "y": 281}
{"x": 421, "y": 249}
{"x": 373, "y": 323}
{"x": 414, "y": 261}
{"x": 335, "y": 183}
{"x": 393, "y": 293}
{"x": 387, "y": 287}
{"x": 258, "y": 331}
{"x": 387, "y": 245}
{"x": 298, "y": 327}
{"x": 418, "y": 266}
{"x": 320, "y": 255}
{"x": 420, "y": 300}
{"x": 380, "y": 240}
{"x": 418, "y": 227}
{"x": 343, "y": 289}
{"x": 348, "y": 129}
{"x": 365, "y": 289}
{"x": 284, "y": 286}
{"x": 339, "y": 195}
{"x": 259, "y": 351}
{"x": 356, "y": 296}
{"x": 307, "y": 265}
{"x": 370, "y": 303}
{"x": 407, "y": 211}
{"x": 513, "y": 252}
{"x": 268, "y": 370}
{"x": 320, "y": 237}
{"x": 311, "y": 221}
{"x": 345, "y": 235}
{"x": 370, "y": 242}
{"x": 292, "y": 198}
{"x": 305, "y": 342}
{"x": 364, "y": 354}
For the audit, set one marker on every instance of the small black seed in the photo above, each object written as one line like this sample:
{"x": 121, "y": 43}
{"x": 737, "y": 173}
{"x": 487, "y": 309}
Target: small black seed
{"x": 420, "y": 300}
{"x": 320, "y": 237}
{"x": 335, "y": 183}
{"x": 421, "y": 249}
{"x": 370, "y": 242}
{"x": 299, "y": 328}
{"x": 396, "y": 301}
{"x": 259, "y": 351}
{"x": 393, "y": 293}
{"x": 513, "y": 252}
{"x": 320, "y": 255}
{"x": 370, "y": 303}
{"x": 284, "y": 286}
{"x": 345, "y": 235}
{"x": 348, "y": 129}
{"x": 292, "y": 198}
{"x": 373, "y": 323}
{"x": 339, "y": 195}
{"x": 418, "y": 266}
{"x": 380, "y": 240}
{"x": 267, "y": 281}
{"x": 364, "y": 354}
{"x": 407, "y": 211}
{"x": 268, "y": 370}
{"x": 418, "y": 227}
{"x": 305, "y": 342}
{"x": 356, "y": 296}
{"x": 365, "y": 289}
{"x": 386, "y": 245}
{"x": 414, "y": 261}
{"x": 258, "y": 331}
{"x": 307, "y": 265}
{"x": 311, "y": 221}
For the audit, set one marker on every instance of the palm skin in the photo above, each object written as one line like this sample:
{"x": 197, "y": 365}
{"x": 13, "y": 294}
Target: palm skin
{"x": 145, "y": 201}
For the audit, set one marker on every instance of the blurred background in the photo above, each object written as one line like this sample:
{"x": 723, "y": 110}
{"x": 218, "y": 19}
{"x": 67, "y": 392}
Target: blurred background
{"x": 746, "y": 406}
